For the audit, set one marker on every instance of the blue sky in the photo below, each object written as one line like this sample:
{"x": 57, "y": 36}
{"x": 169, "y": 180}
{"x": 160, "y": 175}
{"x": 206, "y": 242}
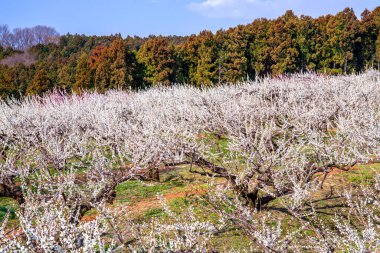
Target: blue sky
{"x": 144, "y": 17}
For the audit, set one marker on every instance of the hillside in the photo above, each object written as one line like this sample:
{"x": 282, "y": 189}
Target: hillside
{"x": 277, "y": 165}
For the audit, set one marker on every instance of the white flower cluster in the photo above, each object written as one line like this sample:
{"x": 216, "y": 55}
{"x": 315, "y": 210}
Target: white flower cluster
{"x": 269, "y": 139}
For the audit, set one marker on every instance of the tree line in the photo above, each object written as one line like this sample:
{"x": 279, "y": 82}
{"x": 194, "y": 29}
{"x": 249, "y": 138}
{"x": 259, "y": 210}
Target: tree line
{"x": 330, "y": 44}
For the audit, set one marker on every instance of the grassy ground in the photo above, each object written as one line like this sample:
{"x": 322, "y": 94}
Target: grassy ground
{"x": 180, "y": 189}
{"x": 11, "y": 206}
{"x": 177, "y": 187}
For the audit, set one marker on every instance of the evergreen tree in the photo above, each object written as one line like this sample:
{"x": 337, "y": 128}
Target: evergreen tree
{"x": 157, "y": 57}
{"x": 283, "y": 42}
{"x": 259, "y": 48}
{"x": 232, "y": 59}
{"x": 342, "y": 31}
{"x": 206, "y": 70}
{"x": 118, "y": 70}
{"x": 40, "y": 83}
{"x": 83, "y": 74}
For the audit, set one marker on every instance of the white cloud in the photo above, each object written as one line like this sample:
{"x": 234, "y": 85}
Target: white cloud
{"x": 229, "y": 8}
{"x": 216, "y": 3}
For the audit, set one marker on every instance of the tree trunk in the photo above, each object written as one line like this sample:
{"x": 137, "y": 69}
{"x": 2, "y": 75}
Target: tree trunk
{"x": 154, "y": 175}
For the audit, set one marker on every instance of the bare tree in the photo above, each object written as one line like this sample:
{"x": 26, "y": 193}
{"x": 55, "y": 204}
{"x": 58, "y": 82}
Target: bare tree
{"x": 24, "y": 38}
{"x": 5, "y": 36}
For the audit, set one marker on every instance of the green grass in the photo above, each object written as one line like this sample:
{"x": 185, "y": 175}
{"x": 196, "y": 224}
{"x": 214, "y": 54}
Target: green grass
{"x": 364, "y": 174}
{"x": 170, "y": 181}
{"x": 220, "y": 144}
{"x": 154, "y": 212}
{"x": 178, "y": 204}
{"x": 4, "y": 210}
{"x": 137, "y": 190}
{"x": 232, "y": 241}
{"x": 8, "y": 205}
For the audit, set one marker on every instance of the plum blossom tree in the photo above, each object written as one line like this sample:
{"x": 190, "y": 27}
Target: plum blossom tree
{"x": 62, "y": 155}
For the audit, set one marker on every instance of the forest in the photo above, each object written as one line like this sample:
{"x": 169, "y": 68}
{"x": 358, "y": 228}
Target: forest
{"x": 36, "y": 60}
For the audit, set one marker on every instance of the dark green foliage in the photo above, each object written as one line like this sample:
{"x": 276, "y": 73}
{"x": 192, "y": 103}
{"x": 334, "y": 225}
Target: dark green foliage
{"x": 4, "y": 210}
{"x": 331, "y": 44}
{"x": 157, "y": 57}
{"x": 5, "y": 52}
{"x": 40, "y": 83}
{"x": 83, "y": 75}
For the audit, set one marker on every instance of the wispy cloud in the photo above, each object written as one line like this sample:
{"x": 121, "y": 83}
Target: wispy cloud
{"x": 229, "y": 8}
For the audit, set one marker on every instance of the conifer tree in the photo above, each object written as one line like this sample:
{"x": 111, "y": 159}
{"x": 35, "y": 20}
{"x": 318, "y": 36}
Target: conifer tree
{"x": 157, "y": 57}
{"x": 118, "y": 69}
{"x": 83, "y": 75}
{"x": 206, "y": 70}
{"x": 40, "y": 83}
